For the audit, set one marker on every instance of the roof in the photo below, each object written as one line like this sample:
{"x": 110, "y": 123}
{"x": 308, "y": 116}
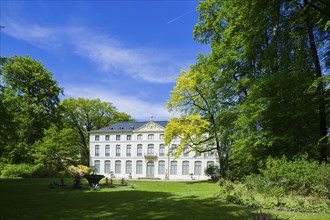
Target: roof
{"x": 127, "y": 126}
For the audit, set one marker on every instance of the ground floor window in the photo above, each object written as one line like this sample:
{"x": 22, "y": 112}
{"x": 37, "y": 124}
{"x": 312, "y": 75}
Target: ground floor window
{"x": 128, "y": 167}
{"x": 161, "y": 167}
{"x": 198, "y": 168}
{"x": 118, "y": 166}
{"x": 139, "y": 166}
{"x": 185, "y": 168}
{"x": 174, "y": 168}
{"x": 107, "y": 166}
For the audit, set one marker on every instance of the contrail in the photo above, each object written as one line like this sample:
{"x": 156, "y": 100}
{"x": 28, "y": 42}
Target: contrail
{"x": 177, "y": 18}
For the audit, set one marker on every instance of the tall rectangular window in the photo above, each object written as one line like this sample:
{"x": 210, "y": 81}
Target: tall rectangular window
{"x": 107, "y": 166}
{"x": 128, "y": 169}
{"x": 97, "y": 137}
{"x": 97, "y": 150}
{"x": 128, "y": 150}
{"x": 185, "y": 168}
{"x": 198, "y": 168}
{"x": 161, "y": 167}
{"x": 139, "y": 167}
{"x": 117, "y": 150}
{"x": 107, "y": 137}
{"x": 139, "y": 137}
{"x": 97, "y": 166}
{"x": 150, "y": 150}
{"x": 118, "y": 166}
{"x": 139, "y": 150}
{"x": 118, "y": 137}
{"x": 129, "y": 137}
{"x": 174, "y": 168}
{"x": 161, "y": 150}
{"x": 173, "y": 149}
{"x": 161, "y": 137}
{"x": 107, "y": 150}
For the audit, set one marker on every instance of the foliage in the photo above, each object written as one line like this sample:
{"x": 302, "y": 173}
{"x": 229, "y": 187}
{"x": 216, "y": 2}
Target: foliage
{"x": 19, "y": 170}
{"x": 299, "y": 185}
{"x": 84, "y": 115}
{"x": 58, "y": 148}
{"x": 31, "y": 98}
{"x": 78, "y": 171}
{"x": 212, "y": 171}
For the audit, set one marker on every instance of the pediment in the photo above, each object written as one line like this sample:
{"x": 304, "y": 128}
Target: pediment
{"x": 150, "y": 126}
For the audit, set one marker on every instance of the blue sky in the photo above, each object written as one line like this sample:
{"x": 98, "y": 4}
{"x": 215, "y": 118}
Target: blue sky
{"x": 125, "y": 52}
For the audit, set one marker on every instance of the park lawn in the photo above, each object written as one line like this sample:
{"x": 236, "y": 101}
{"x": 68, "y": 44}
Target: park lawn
{"x": 33, "y": 199}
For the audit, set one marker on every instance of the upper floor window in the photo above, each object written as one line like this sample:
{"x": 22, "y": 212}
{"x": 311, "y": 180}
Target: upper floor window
{"x": 128, "y": 150}
{"x": 117, "y": 150}
{"x": 97, "y": 150}
{"x": 150, "y": 136}
{"x": 161, "y": 150}
{"x": 107, "y": 137}
{"x": 129, "y": 137}
{"x": 107, "y": 150}
{"x": 161, "y": 137}
{"x": 118, "y": 137}
{"x": 139, "y": 150}
{"x": 173, "y": 149}
{"x": 150, "y": 149}
{"x": 97, "y": 137}
{"x": 139, "y": 137}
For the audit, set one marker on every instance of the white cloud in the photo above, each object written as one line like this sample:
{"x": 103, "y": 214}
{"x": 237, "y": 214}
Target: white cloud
{"x": 132, "y": 105}
{"x": 111, "y": 57}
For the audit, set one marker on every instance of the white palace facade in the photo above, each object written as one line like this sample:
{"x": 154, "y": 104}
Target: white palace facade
{"x": 133, "y": 150}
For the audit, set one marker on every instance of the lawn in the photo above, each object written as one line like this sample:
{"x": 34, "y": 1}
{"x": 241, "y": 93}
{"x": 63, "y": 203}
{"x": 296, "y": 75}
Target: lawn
{"x": 33, "y": 199}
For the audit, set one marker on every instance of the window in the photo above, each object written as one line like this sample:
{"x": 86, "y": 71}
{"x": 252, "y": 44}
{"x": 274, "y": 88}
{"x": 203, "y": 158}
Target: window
{"x": 150, "y": 149}
{"x": 97, "y": 150}
{"x": 139, "y": 150}
{"x": 211, "y": 154}
{"x": 97, "y": 166}
{"x": 118, "y": 166}
{"x": 107, "y": 150}
{"x": 161, "y": 137}
{"x": 174, "y": 168}
{"x": 139, "y": 167}
{"x": 128, "y": 150}
{"x": 97, "y": 137}
{"x": 198, "y": 168}
{"x": 129, "y": 137}
{"x": 185, "y": 152}
{"x": 117, "y": 150}
{"x": 150, "y": 136}
{"x": 161, "y": 167}
{"x": 161, "y": 150}
{"x": 118, "y": 137}
{"x": 139, "y": 137}
{"x": 185, "y": 168}
{"x": 173, "y": 148}
{"x": 128, "y": 167}
{"x": 107, "y": 166}
{"x": 198, "y": 154}
{"x": 107, "y": 137}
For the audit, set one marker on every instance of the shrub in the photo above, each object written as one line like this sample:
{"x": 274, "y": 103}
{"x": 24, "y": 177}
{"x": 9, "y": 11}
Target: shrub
{"x": 19, "y": 170}
{"x": 212, "y": 171}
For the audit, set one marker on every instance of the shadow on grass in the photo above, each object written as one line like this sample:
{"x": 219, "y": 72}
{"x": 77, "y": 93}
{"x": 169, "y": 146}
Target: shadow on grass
{"x": 24, "y": 199}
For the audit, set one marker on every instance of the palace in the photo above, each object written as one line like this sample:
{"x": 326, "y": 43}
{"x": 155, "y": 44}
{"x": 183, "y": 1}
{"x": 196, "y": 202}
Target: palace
{"x": 136, "y": 150}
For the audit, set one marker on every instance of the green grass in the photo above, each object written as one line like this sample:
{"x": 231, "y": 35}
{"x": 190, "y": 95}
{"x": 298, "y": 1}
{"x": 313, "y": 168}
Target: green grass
{"x": 33, "y": 199}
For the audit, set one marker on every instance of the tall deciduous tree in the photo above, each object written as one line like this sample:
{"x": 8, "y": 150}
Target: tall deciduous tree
{"x": 84, "y": 115}
{"x": 31, "y": 98}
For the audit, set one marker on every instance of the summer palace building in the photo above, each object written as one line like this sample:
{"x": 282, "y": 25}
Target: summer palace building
{"x": 136, "y": 150}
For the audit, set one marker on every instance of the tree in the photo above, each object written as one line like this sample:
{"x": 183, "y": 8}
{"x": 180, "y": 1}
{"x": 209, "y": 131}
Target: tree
{"x": 85, "y": 115}
{"x": 30, "y": 97}
{"x": 205, "y": 122}
{"x": 58, "y": 149}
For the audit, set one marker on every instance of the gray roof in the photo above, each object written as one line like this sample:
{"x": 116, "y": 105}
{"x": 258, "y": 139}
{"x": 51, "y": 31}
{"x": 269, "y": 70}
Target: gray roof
{"x": 126, "y": 126}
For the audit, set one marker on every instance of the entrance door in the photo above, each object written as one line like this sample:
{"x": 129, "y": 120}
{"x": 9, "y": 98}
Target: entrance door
{"x": 150, "y": 169}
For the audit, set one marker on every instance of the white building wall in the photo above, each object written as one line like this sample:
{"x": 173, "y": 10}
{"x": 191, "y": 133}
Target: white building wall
{"x": 101, "y": 142}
